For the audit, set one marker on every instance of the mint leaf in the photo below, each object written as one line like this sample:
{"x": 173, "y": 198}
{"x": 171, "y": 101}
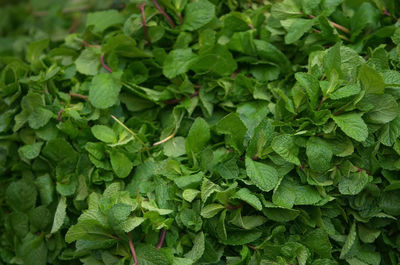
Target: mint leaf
{"x": 178, "y": 62}
{"x": 262, "y": 175}
{"x": 198, "y": 136}
{"x": 352, "y": 125}
{"x": 371, "y": 80}
{"x": 120, "y": 163}
{"x": 104, "y": 134}
{"x": 198, "y": 14}
{"x": 59, "y": 215}
{"x": 104, "y": 90}
{"x": 102, "y": 20}
{"x": 285, "y": 146}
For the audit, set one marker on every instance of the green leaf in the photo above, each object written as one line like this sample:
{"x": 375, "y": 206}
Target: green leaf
{"x": 246, "y": 195}
{"x": 234, "y": 129}
{"x": 45, "y": 186}
{"x": 178, "y": 62}
{"x": 352, "y": 125}
{"x": 366, "y": 14}
{"x": 39, "y": 118}
{"x": 30, "y": 151}
{"x": 19, "y": 223}
{"x": 131, "y": 223}
{"x": 262, "y": 175}
{"x": 318, "y": 241}
{"x": 198, "y": 14}
{"x": 198, "y": 137}
{"x": 237, "y": 238}
{"x": 149, "y": 255}
{"x": 285, "y": 146}
{"x": 104, "y": 134}
{"x": 60, "y": 215}
{"x": 390, "y": 132}
{"x": 371, "y": 80}
{"x": 345, "y": 91}
{"x": 102, "y": 20}
{"x": 88, "y": 62}
{"x": 350, "y": 241}
{"x": 290, "y": 193}
{"x": 175, "y": 147}
{"x": 319, "y": 154}
{"x": 367, "y": 234}
{"x": 87, "y": 230}
{"x": 104, "y": 90}
{"x": 333, "y": 61}
{"x": 33, "y": 250}
{"x": 120, "y": 163}
{"x": 211, "y": 210}
{"x": 385, "y": 108}
{"x": 296, "y": 28}
{"x": 216, "y": 59}
{"x": 21, "y": 195}
{"x": 354, "y": 183}
{"x": 311, "y": 86}
{"x": 198, "y": 248}
{"x": 190, "y": 194}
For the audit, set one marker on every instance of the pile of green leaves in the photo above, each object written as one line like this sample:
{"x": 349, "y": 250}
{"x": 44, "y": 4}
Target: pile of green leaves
{"x": 203, "y": 132}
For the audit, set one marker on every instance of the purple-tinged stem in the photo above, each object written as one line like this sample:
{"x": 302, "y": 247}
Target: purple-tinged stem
{"x": 176, "y": 101}
{"x": 59, "y": 115}
{"x": 340, "y": 27}
{"x": 132, "y": 248}
{"x": 162, "y": 238}
{"x": 75, "y": 95}
{"x": 180, "y": 18}
{"x": 86, "y": 44}
{"x": 162, "y": 11}
{"x": 104, "y": 64}
{"x": 141, "y": 8}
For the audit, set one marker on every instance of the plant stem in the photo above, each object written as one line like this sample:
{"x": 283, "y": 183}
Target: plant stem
{"x": 169, "y": 137}
{"x": 180, "y": 18}
{"x": 335, "y": 25}
{"x": 321, "y": 102}
{"x": 59, "y": 115}
{"x": 176, "y": 101}
{"x": 162, "y": 11}
{"x": 338, "y": 112}
{"x": 146, "y": 35}
{"x": 132, "y": 248}
{"x": 105, "y": 66}
{"x": 132, "y": 133}
{"x": 78, "y": 96}
{"x": 86, "y": 44}
{"x": 64, "y": 11}
{"x": 162, "y": 238}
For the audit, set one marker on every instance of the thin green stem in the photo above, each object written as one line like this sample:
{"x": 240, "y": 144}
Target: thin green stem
{"x": 132, "y": 133}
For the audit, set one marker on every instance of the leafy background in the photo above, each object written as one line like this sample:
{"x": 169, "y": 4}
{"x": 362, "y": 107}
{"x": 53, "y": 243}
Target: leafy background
{"x": 199, "y": 132}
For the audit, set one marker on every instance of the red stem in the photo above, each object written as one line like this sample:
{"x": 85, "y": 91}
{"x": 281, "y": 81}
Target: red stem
{"x": 320, "y": 103}
{"x": 132, "y": 249}
{"x": 78, "y": 96}
{"x": 180, "y": 18}
{"x": 338, "y": 112}
{"x": 162, "y": 11}
{"x": 59, "y": 117}
{"x": 162, "y": 238}
{"x": 237, "y": 71}
{"x": 104, "y": 64}
{"x": 176, "y": 101}
{"x": 86, "y": 44}
{"x": 230, "y": 207}
{"x": 340, "y": 27}
{"x": 141, "y": 8}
